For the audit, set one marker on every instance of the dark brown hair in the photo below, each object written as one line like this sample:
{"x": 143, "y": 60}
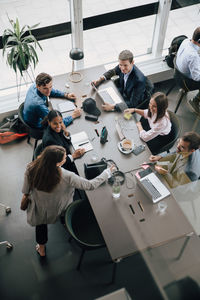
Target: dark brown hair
{"x": 126, "y": 55}
{"x": 43, "y": 173}
{"x": 193, "y": 139}
{"x": 51, "y": 115}
{"x": 162, "y": 105}
{"x": 196, "y": 34}
{"x": 43, "y": 79}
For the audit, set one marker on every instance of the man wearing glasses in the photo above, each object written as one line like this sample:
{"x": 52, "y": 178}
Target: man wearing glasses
{"x": 183, "y": 165}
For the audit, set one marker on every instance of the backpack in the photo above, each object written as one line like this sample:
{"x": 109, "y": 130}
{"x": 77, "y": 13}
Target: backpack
{"x": 175, "y": 44}
{"x": 9, "y": 136}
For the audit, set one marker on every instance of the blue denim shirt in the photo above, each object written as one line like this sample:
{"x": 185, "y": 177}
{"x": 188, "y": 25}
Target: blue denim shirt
{"x": 35, "y": 108}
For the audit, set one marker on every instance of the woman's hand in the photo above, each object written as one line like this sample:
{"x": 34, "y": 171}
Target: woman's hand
{"x": 129, "y": 110}
{"x": 78, "y": 153}
{"x": 161, "y": 170}
{"x": 65, "y": 129}
{"x": 139, "y": 126}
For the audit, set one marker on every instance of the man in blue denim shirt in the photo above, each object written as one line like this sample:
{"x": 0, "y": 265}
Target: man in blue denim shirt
{"x": 36, "y": 102}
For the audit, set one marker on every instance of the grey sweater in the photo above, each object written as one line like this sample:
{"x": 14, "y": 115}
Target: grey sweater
{"x": 45, "y": 208}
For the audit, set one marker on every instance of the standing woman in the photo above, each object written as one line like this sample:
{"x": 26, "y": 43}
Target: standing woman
{"x": 155, "y": 125}
{"x": 50, "y": 190}
{"x": 55, "y": 133}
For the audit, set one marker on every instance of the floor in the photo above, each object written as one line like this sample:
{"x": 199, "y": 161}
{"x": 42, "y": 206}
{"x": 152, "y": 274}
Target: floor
{"x": 24, "y": 276}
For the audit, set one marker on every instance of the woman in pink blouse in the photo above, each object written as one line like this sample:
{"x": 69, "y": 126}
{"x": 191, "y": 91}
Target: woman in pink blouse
{"x": 155, "y": 125}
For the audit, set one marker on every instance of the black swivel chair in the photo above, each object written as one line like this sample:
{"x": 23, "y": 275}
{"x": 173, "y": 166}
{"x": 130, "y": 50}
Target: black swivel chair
{"x": 32, "y": 132}
{"x": 186, "y": 85}
{"x": 175, "y": 132}
{"x": 84, "y": 229}
{"x": 37, "y": 151}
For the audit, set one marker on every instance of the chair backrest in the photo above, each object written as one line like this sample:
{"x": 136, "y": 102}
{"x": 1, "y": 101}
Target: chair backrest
{"x": 37, "y": 151}
{"x": 183, "y": 81}
{"x": 33, "y": 132}
{"x": 82, "y": 225}
{"x": 20, "y": 114}
{"x": 175, "y": 132}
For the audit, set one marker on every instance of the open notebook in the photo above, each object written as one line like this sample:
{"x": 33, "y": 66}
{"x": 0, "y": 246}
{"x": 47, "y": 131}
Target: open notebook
{"x": 81, "y": 140}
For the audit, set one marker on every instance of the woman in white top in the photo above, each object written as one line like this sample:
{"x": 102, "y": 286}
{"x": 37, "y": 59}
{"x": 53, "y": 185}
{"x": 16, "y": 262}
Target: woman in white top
{"x": 50, "y": 189}
{"x": 155, "y": 125}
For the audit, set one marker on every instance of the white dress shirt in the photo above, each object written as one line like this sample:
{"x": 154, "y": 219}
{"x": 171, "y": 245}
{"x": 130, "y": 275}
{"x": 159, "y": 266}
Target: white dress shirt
{"x": 188, "y": 60}
{"x": 161, "y": 127}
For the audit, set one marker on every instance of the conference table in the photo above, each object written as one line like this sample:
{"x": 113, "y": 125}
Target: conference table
{"x": 132, "y": 223}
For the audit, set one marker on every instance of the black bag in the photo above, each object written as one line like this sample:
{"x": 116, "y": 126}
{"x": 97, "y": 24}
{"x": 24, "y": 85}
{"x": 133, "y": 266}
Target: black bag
{"x": 175, "y": 44}
{"x": 104, "y": 135}
{"x": 95, "y": 169}
{"x": 14, "y": 124}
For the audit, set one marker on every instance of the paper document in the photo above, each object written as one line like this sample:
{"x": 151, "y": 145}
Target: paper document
{"x": 81, "y": 140}
{"x": 66, "y": 106}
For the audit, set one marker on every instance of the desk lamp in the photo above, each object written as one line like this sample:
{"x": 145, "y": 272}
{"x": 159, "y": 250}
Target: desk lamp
{"x": 75, "y": 54}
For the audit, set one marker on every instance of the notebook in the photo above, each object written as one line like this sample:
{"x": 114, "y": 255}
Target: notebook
{"x": 81, "y": 140}
{"x": 153, "y": 187}
{"x": 66, "y": 106}
{"x": 108, "y": 95}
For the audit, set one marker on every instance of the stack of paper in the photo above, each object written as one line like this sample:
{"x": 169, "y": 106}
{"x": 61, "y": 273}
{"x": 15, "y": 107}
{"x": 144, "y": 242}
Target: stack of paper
{"x": 81, "y": 140}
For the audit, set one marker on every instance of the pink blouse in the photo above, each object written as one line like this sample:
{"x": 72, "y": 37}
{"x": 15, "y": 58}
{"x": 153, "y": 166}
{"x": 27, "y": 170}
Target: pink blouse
{"x": 161, "y": 127}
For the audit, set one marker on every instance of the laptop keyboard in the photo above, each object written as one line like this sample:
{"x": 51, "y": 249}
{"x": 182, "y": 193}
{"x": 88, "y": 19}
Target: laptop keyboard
{"x": 106, "y": 97}
{"x": 151, "y": 188}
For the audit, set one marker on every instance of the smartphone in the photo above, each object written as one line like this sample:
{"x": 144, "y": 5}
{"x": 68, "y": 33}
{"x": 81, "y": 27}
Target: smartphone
{"x": 138, "y": 149}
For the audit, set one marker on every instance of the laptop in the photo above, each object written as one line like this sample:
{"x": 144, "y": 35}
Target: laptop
{"x": 108, "y": 95}
{"x": 153, "y": 187}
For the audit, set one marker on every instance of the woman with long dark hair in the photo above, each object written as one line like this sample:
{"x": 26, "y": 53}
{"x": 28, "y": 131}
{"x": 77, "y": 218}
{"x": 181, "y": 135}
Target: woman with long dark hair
{"x": 50, "y": 189}
{"x": 55, "y": 133}
{"x": 155, "y": 125}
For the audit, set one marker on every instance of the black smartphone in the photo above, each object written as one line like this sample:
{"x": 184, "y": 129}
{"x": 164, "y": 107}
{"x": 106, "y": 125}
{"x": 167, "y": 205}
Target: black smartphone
{"x": 138, "y": 149}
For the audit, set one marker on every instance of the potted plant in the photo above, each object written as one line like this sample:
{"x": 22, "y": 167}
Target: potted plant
{"x": 20, "y": 46}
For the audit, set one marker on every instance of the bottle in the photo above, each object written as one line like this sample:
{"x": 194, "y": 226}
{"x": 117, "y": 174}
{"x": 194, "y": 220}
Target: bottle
{"x": 116, "y": 189}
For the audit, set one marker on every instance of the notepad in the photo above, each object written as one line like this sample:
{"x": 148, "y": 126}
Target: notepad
{"x": 81, "y": 140}
{"x": 66, "y": 106}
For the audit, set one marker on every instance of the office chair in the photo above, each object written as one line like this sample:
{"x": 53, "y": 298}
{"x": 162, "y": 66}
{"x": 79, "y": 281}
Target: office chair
{"x": 75, "y": 54}
{"x": 32, "y": 132}
{"x": 175, "y": 132}
{"x": 37, "y": 151}
{"x": 84, "y": 230}
{"x": 186, "y": 85}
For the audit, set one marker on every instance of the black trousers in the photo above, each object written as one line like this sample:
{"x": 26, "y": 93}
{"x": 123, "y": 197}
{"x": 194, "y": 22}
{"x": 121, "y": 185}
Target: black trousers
{"x": 159, "y": 141}
{"x": 41, "y": 232}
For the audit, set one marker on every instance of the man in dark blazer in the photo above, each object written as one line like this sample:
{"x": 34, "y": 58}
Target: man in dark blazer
{"x": 133, "y": 85}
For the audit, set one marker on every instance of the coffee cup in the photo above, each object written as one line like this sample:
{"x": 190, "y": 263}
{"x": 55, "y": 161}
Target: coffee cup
{"x": 126, "y": 144}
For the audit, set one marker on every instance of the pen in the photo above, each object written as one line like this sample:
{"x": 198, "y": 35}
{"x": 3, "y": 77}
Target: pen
{"x": 97, "y": 132}
{"x": 140, "y": 205}
{"x": 83, "y": 143}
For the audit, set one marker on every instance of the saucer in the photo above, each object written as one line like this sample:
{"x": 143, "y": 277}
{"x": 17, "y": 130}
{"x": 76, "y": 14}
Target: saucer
{"x": 121, "y": 149}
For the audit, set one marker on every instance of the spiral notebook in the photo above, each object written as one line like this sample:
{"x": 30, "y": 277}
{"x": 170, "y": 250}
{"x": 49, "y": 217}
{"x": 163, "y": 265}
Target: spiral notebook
{"x": 81, "y": 140}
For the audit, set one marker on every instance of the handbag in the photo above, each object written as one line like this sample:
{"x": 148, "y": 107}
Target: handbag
{"x": 24, "y": 202}
{"x": 95, "y": 169}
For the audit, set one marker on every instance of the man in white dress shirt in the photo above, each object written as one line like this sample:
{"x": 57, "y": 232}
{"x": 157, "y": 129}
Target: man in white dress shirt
{"x": 188, "y": 63}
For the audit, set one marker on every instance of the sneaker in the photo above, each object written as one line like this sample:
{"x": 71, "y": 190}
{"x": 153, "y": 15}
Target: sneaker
{"x": 195, "y": 104}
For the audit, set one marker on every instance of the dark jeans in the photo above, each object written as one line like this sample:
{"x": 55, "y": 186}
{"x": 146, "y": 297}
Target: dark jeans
{"x": 159, "y": 141}
{"x": 187, "y": 83}
{"x": 41, "y": 232}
